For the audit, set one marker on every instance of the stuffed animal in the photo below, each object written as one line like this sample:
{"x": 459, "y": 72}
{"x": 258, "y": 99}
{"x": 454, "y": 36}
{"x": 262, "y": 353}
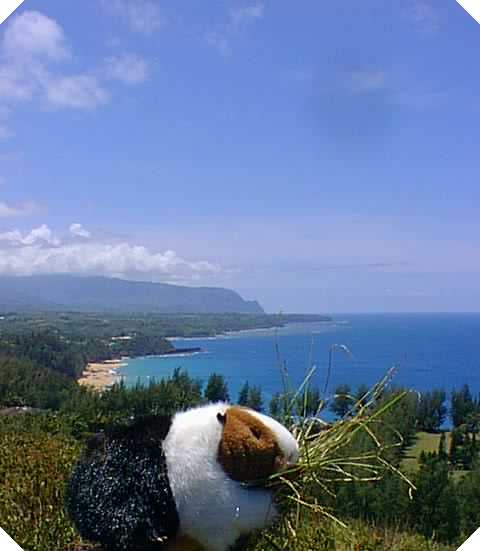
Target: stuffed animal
{"x": 178, "y": 483}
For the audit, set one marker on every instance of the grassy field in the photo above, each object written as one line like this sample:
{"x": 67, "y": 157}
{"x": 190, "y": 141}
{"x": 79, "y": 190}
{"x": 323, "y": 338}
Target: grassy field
{"x": 424, "y": 442}
{"x": 318, "y": 535}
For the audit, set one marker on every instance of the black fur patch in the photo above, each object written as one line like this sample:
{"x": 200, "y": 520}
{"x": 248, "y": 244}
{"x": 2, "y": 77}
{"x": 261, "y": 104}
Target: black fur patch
{"x": 119, "y": 494}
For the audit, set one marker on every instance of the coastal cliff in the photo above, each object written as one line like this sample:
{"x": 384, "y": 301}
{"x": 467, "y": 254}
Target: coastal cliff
{"x": 104, "y": 294}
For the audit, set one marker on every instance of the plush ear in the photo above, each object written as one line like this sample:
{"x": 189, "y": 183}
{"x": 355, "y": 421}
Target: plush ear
{"x": 143, "y": 428}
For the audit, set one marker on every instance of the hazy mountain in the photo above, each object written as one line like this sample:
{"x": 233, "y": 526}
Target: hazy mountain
{"x": 67, "y": 292}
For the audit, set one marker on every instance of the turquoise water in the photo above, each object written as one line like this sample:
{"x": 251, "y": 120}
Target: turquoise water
{"x": 430, "y": 351}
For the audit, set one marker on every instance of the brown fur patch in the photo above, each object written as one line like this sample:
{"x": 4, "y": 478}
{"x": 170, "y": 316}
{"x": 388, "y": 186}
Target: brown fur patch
{"x": 248, "y": 450}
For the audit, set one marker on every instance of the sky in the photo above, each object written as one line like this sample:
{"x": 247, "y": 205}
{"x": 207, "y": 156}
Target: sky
{"x": 316, "y": 156}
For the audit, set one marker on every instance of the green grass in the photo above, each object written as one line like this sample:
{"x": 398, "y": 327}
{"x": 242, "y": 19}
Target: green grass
{"x": 314, "y": 534}
{"x": 424, "y": 442}
{"x": 33, "y": 470}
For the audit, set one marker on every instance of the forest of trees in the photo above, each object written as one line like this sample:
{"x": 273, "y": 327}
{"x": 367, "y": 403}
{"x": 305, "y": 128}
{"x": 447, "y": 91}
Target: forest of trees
{"x": 69, "y": 356}
{"x": 104, "y": 326}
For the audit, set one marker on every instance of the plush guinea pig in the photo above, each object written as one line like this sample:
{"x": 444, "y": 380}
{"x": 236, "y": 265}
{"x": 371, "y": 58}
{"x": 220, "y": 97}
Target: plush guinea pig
{"x": 176, "y": 483}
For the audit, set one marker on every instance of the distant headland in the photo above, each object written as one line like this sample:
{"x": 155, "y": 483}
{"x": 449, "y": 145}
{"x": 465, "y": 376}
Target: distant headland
{"x": 105, "y": 294}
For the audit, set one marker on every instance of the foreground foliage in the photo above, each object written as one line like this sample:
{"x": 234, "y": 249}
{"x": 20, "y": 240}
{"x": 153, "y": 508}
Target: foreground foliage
{"x": 315, "y": 534}
{"x": 37, "y": 452}
{"x": 36, "y": 457}
{"x": 33, "y": 468}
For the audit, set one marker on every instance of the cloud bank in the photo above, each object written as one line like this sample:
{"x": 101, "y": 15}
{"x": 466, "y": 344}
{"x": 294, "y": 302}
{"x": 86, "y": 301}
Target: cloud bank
{"x": 40, "y": 251}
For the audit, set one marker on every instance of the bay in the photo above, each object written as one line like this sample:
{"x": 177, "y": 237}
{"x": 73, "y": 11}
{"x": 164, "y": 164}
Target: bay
{"x": 428, "y": 350}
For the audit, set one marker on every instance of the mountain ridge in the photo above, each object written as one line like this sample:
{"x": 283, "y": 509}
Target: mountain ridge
{"x": 99, "y": 293}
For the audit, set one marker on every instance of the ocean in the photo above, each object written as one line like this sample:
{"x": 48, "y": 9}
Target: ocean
{"x": 428, "y": 350}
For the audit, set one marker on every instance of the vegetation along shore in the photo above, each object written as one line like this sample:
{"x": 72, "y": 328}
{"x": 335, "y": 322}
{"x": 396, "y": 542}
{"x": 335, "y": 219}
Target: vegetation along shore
{"x": 102, "y": 343}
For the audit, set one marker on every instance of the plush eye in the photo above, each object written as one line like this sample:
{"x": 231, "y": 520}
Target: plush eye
{"x": 256, "y": 433}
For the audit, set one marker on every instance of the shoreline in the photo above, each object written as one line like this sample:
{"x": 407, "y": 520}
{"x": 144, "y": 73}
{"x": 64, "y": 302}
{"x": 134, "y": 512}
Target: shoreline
{"x": 101, "y": 375}
{"x": 255, "y": 330}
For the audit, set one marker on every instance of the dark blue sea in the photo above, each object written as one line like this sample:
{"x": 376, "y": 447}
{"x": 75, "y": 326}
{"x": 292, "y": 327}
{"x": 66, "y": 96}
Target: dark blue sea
{"x": 428, "y": 350}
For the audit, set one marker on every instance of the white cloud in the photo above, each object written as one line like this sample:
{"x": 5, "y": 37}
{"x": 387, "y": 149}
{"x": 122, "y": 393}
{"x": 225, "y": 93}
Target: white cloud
{"x": 40, "y": 252}
{"x": 79, "y": 91}
{"x": 142, "y": 16}
{"x": 392, "y": 91}
{"x": 357, "y": 82}
{"x": 13, "y": 236}
{"x": 42, "y": 234}
{"x": 17, "y": 83}
{"x": 238, "y": 17}
{"x": 33, "y": 34}
{"x": 128, "y": 68}
{"x": 367, "y": 80}
{"x": 218, "y": 41}
{"x": 33, "y": 53}
{"x": 32, "y": 47}
{"x": 10, "y": 211}
{"x": 4, "y": 132}
{"x": 423, "y": 16}
{"x": 246, "y": 14}
{"x": 77, "y": 230}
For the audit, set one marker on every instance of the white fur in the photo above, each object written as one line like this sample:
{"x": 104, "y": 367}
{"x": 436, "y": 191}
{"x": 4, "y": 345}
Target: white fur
{"x": 213, "y": 509}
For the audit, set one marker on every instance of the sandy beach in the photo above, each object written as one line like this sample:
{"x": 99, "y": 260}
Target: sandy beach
{"x": 100, "y": 375}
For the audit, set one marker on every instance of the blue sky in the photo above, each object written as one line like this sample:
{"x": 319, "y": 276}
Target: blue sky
{"x": 316, "y": 157}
